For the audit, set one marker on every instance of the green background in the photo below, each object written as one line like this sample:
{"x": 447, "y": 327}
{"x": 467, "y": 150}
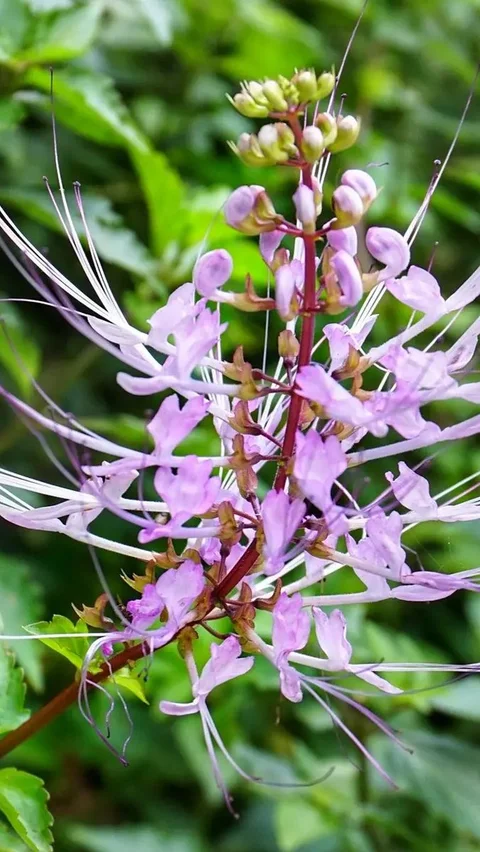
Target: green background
{"x": 139, "y": 91}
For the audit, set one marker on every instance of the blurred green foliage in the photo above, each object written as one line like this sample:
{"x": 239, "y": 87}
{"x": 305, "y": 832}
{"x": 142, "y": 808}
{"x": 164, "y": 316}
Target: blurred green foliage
{"x": 142, "y": 121}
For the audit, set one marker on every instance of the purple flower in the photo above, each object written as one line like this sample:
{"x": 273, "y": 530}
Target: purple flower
{"x": 269, "y": 241}
{"x": 194, "y": 337}
{"x": 343, "y": 239}
{"x": 280, "y": 517}
{"x": 288, "y": 278}
{"x": 363, "y": 184}
{"x": 304, "y": 201}
{"x": 384, "y": 532}
{"x": 291, "y": 629}
{"x": 315, "y": 384}
{"x": 175, "y": 591}
{"x": 341, "y": 339}
{"x": 211, "y": 271}
{"x": 171, "y": 424}
{"x": 347, "y": 206}
{"x": 189, "y": 492}
{"x": 390, "y": 248}
{"x": 349, "y": 278}
{"x": 412, "y": 491}
{"x": 419, "y": 290}
{"x": 331, "y": 633}
{"x": 318, "y": 463}
{"x": 179, "y": 306}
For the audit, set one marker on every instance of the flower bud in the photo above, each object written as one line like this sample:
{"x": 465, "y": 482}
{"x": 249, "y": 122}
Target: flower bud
{"x": 269, "y": 243}
{"x": 285, "y": 291}
{"x": 306, "y": 85}
{"x": 248, "y": 150}
{"x": 255, "y": 90}
{"x": 269, "y": 141}
{"x": 349, "y": 278}
{"x": 304, "y": 201}
{"x": 288, "y": 346}
{"x": 344, "y": 239}
{"x": 212, "y": 270}
{"x": 325, "y": 84}
{"x": 287, "y": 138}
{"x": 390, "y": 248}
{"x": 347, "y": 206}
{"x": 249, "y": 210}
{"x": 245, "y": 105}
{"x": 275, "y": 96}
{"x": 363, "y": 184}
{"x": 348, "y": 129}
{"x": 327, "y": 124}
{"x": 289, "y": 90}
{"x": 313, "y": 145}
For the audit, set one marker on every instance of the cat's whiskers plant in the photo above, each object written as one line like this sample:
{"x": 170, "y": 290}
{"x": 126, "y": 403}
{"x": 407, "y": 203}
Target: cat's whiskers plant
{"x": 223, "y": 548}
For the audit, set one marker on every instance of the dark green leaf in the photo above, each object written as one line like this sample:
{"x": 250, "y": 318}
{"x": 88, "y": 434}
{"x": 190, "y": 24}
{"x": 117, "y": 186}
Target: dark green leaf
{"x": 12, "y": 692}
{"x": 20, "y": 604}
{"x": 164, "y": 194}
{"x": 23, "y": 800}
{"x": 63, "y": 34}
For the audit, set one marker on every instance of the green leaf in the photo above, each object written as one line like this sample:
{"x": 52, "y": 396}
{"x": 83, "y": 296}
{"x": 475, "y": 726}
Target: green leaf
{"x": 12, "y": 693}
{"x": 125, "y": 838}
{"x": 442, "y": 772}
{"x": 297, "y": 821}
{"x": 89, "y": 104}
{"x": 20, "y": 603}
{"x": 15, "y": 20}
{"x": 11, "y": 113}
{"x": 164, "y": 194}
{"x": 126, "y": 678}
{"x": 9, "y": 841}
{"x": 113, "y": 241}
{"x": 73, "y": 649}
{"x": 63, "y": 34}
{"x": 23, "y": 800}
{"x": 460, "y": 699}
{"x": 19, "y": 353}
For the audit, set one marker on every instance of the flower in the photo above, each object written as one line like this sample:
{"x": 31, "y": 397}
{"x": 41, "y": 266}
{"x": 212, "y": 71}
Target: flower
{"x": 280, "y": 520}
{"x": 390, "y": 248}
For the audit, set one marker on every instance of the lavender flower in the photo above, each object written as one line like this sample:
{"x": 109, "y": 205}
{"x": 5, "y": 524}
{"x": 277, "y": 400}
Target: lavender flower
{"x": 232, "y": 544}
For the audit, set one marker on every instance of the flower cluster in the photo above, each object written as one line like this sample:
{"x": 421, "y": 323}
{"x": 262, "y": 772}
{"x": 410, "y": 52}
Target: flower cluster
{"x": 213, "y": 546}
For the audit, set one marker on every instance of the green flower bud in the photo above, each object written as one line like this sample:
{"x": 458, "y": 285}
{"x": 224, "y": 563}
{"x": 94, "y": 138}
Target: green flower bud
{"x": 325, "y": 84}
{"x": 313, "y": 145}
{"x": 287, "y": 138}
{"x": 327, "y": 124}
{"x": 275, "y": 96}
{"x": 255, "y": 90}
{"x": 245, "y": 105}
{"x": 289, "y": 90}
{"x": 348, "y": 129}
{"x": 249, "y": 151}
{"x": 306, "y": 85}
{"x": 269, "y": 141}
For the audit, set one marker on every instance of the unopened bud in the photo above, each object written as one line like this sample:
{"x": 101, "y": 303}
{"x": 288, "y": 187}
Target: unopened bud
{"x": 211, "y": 271}
{"x": 255, "y": 90}
{"x": 289, "y": 90}
{"x": 347, "y": 206}
{"x": 313, "y": 145}
{"x": 327, "y": 124}
{"x": 306, "y": 84}
{"x": 325, "y": 84}
{"x": 248, "y": 150}
{"x": 287, "y": 138}
{"x": 348, "y": 128}
{"x": 250, "y": 211}
{"x": 362, "y": 183}
{"x": 274, "y": 95}
{"x": 288, "y": 346}
{"x": 304, "y": 200}
{"x": 270, "y": 141}
{"x": 245, "y": 105}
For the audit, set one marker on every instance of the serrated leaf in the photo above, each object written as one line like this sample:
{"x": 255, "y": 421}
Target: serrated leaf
{"x": 63, "y": 34}
{"x": 20, "y": 596}
{"x": 126, "y": 678}
{"x": 72, "y": 649}
{"x": 23, "y": 800}
{"x": 114, "y": 242}
{"x": 9, "y": 841}
{"x": 12, "y": 693}
{"x": 90, "y": 105}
